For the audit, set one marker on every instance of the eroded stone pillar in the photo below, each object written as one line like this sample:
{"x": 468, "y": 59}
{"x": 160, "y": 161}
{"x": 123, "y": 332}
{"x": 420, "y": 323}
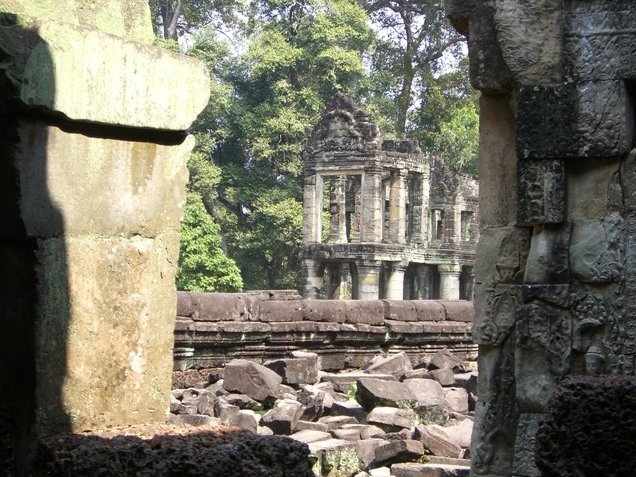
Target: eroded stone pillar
{"x": 395, "y": 283}
{"x": 94, "y": 162}
{"x": 369, "y": 280}
{"x": 397, "y": 207}
{"x": 337, "y": 210}
{"x": 372, "y": 207}
{"x": 449, "y": 282}
{"x": 313, "y": 271}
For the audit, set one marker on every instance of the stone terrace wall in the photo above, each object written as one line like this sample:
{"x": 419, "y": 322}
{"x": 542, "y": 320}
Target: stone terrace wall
{"x": 213, "y": 328}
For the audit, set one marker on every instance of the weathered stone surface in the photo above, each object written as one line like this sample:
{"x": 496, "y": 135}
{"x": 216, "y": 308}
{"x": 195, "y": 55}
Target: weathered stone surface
{"x": 135, "y": 340}
{"x": 349, "y": 434}
{"x": 311, "y": 426}
{"x": 397, "y": 365}
{"x": 293, "y": 371}
{"x": 456, "y": 399}
{"x": 342, "y": 381}
{"x": 247, "y": 420}
{"x": 99, "y": 186}
{"x": 437, "y": 441}
{"x": 370, "y": 312}
{"x": 308, "y": 436}
{"x": 582, "y": 423}
{"x": 548, "y": 255}
{"x": 372, "y": 392}
{"x": 445, "y": 377}
{"x": 128, "y": 20}
{"x": 427, "y": 392}
{"x": 214, "y": 307}
{"x": 348, "y": 408}
{"x": 392, "y": 419}
{"x": 226, "y": 412}
{"x": 313, "y": 399}
{"x": 460, "y": 432}
{"x": 541, "y": 193}
{"x": 334, "y": 422}
{"x": 282, "y": 419}
{"x": 574, "y": 120}
{"x": 275, "y": 311}
{"x": 335, "y": 457}
{"x": 78, "y": 65}
{"x": 429, "y": 470}
{"x": 250, "y": 378}
{"x": 398, "y": 451}
{"x": 312, "y": 364}
{"x": 445, "y": 360}
{"x": 365, "y": 450}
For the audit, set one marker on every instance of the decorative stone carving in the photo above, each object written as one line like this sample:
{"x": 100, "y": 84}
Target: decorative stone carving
{"x": 541, "y": 192}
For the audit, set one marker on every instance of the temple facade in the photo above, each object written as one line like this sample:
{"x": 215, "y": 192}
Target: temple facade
{"x": 380, "y": 219}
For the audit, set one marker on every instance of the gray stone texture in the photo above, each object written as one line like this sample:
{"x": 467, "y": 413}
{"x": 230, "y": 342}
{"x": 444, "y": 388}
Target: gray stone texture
{"x": 554, "y": 293}
{"x": 252, "y": 379}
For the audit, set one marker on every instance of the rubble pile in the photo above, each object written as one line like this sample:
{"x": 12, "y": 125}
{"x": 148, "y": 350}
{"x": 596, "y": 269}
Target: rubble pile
{"x": 391, "y": 418}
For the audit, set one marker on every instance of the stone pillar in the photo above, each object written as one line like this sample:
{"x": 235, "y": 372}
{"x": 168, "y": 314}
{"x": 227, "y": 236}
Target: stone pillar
{"x": 372, "y": 207}
{"x": 395, "y": 283}
{"x": 314, "y": 279}
{"x": 397, "y": 207}
{"x": 342, "y": 290}
{"x": 93, "y": 179}
{"x": 337, "y": 210}
{"x": 312, "y": 208}
{"x": 369, "y": 280}
{"x": 423, "y": 282}
{"x": 449, "y": 282}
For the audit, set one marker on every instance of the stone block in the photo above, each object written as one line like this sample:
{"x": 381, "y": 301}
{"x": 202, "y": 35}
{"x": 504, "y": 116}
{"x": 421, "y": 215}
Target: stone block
{"x": 429, "y": 310}
{"x": 335, "y": 422}
{"x": 335, "y": 457}
{"x": 72, "y": 71}
{"x": 312, "y": 398}
{"x": 311, "y": 426}
{"x": 366, "y": 431}
{"x": 541, "y": 192}
{"x": 548, "y": 258}
{"x": 226, "y": 412}
{"x": 312, "y": 364}
{"x": 427, "y": 392}
{"x": 348, "y": 408}
{"x": 444, "y": 359}
{"x": 370, "y": 312}
{"x": 105, "y": 323}
{"x": 308, "y": 436}
{"x": 324, "y": 310}
{"x": 348, "y": 434}
{"x": 456, "y": 399}
{"x": 365, "y": 450}
{"x": 341, "y": 382}
{"x": 435, "y": 439}
{"x": 283, "y": 418}
{"x": 445, "y": 377}
{"x": 391, "y": 419}
{"x": 247, "y": 420}
{"x": 371, "y": 393}
{"x": 130, "y": 20}
{"x": 255, "y": 380}
{"x": 574, "y": 120}
{"x": 293, "y": 371}
{"x": 430, "y": 470}
{"x": 525, "y": 444}
{"x": 458, "y": 310}
{"x": 214, "y": 307}
{"x": 595, "y": 250}
{"x": 400, "y": 310}
{"x": 598, "y": 40}
{"x": 78, "y": 185}
{"x": 398, "y": 451}
{"x": 397, "y": 365}
{"x": 275, "y": 311}
{"x": 460, "y": 432}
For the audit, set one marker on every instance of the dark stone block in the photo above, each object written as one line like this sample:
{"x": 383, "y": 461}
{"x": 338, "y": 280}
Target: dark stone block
{"x": 541, "y": 192}
{"x": 590, "y": 430}
{"x": 574, "y": 120}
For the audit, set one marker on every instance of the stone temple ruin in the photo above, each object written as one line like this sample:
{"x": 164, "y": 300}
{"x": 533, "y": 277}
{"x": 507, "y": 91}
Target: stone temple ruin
{"x": 555, "y": 269}
{"x": 381, "y": 220}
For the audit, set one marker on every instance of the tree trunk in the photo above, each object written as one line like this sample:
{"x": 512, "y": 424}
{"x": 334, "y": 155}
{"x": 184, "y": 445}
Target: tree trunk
{"x": 404, "y": 98}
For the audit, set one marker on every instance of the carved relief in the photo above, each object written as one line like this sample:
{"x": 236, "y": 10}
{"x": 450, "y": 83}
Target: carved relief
{"x": 596, "y": 254}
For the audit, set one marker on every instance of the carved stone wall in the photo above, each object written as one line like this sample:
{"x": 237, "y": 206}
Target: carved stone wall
{"x": 555, "y": 267}
{"x": 92, "y": 183}
{"x": 380, "y": 219}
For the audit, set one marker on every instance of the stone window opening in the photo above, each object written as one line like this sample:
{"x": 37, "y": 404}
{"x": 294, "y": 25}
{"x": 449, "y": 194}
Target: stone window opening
{"x": 341, "y": 210}
{"x": 437, "y": 224}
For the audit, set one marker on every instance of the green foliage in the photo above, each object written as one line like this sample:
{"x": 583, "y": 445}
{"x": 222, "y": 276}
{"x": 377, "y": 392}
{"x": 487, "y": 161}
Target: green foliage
{"x": 202, "y": 264}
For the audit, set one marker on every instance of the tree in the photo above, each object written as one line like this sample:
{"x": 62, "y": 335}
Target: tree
{"x": 413, "y": 39}
{"x": 202, "y": 264}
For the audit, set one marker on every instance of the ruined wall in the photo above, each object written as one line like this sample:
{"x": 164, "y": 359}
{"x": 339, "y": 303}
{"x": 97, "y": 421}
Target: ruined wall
{"x": 213, "y": 328}
{"x": 92, "y": 183}
{"x": 555, "y": 268}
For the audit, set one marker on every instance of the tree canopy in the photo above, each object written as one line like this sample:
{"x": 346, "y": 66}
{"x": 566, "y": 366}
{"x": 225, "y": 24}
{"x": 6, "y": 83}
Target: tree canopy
{"x": 275, "y": 64}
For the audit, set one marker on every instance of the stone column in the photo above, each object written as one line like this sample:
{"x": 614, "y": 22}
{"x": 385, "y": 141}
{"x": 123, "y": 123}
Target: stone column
{"x": 397, "y": 207}
{"x": 449, "y": 282}
{"x": 395, "y": 283}
{"x": 312, "y": 208}
{"x": 337, "y": 210}
{"x": 369, "y": 280}
{"x": 423, "y": 282}
{"x": 93, "y": 179}
{"x": 372, "y": 206}
{"x": 314, "y": 280}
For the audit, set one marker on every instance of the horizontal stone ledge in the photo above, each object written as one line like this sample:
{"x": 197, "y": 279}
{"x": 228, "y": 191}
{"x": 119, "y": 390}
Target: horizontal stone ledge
{"x": 215, "y": 307}
{"x": 90, "y": 76}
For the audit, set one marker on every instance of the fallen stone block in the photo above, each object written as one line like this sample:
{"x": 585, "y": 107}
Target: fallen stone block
{"x": 308, "y": 436}
{"x": 255, "y": 380}
{"x": 373, "y": 392}
{"x": 429, "y": 470}
{"x": 243, "y": 401}
{"x": 311, "y": 426}
{"x": 398, "y": 451}
{"x": 335, "y": 458}
{"x": 348, "y": 408}
{"x": 397, "y": 365}
{"x": 445, "y": 376}
{"x": 313, "y": 399}
{"x": 312, "y": 364}
{"x": 444, "y": 359}
{"x": 226, "y": 412}
{"x": 334, "y": 422}
{"x": 391, "y": 419}
{"x": 468, "y": 381}
{"x": 365, "y": 450}
{"x": 292, "y": 370}
{"x": 193, "y": 420}
{"x": 380, "y": 472}
{"x": 283, "y": 418}
{"x": 426, "y": 392}
{"x": 247, "y": 420}
{"x": 342, "y": 381}
{"x": 437, "y": 441}
{"x": 456, "y": 399}
{"x": 460, "y": 433}
{"x": 349, "y": 434}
